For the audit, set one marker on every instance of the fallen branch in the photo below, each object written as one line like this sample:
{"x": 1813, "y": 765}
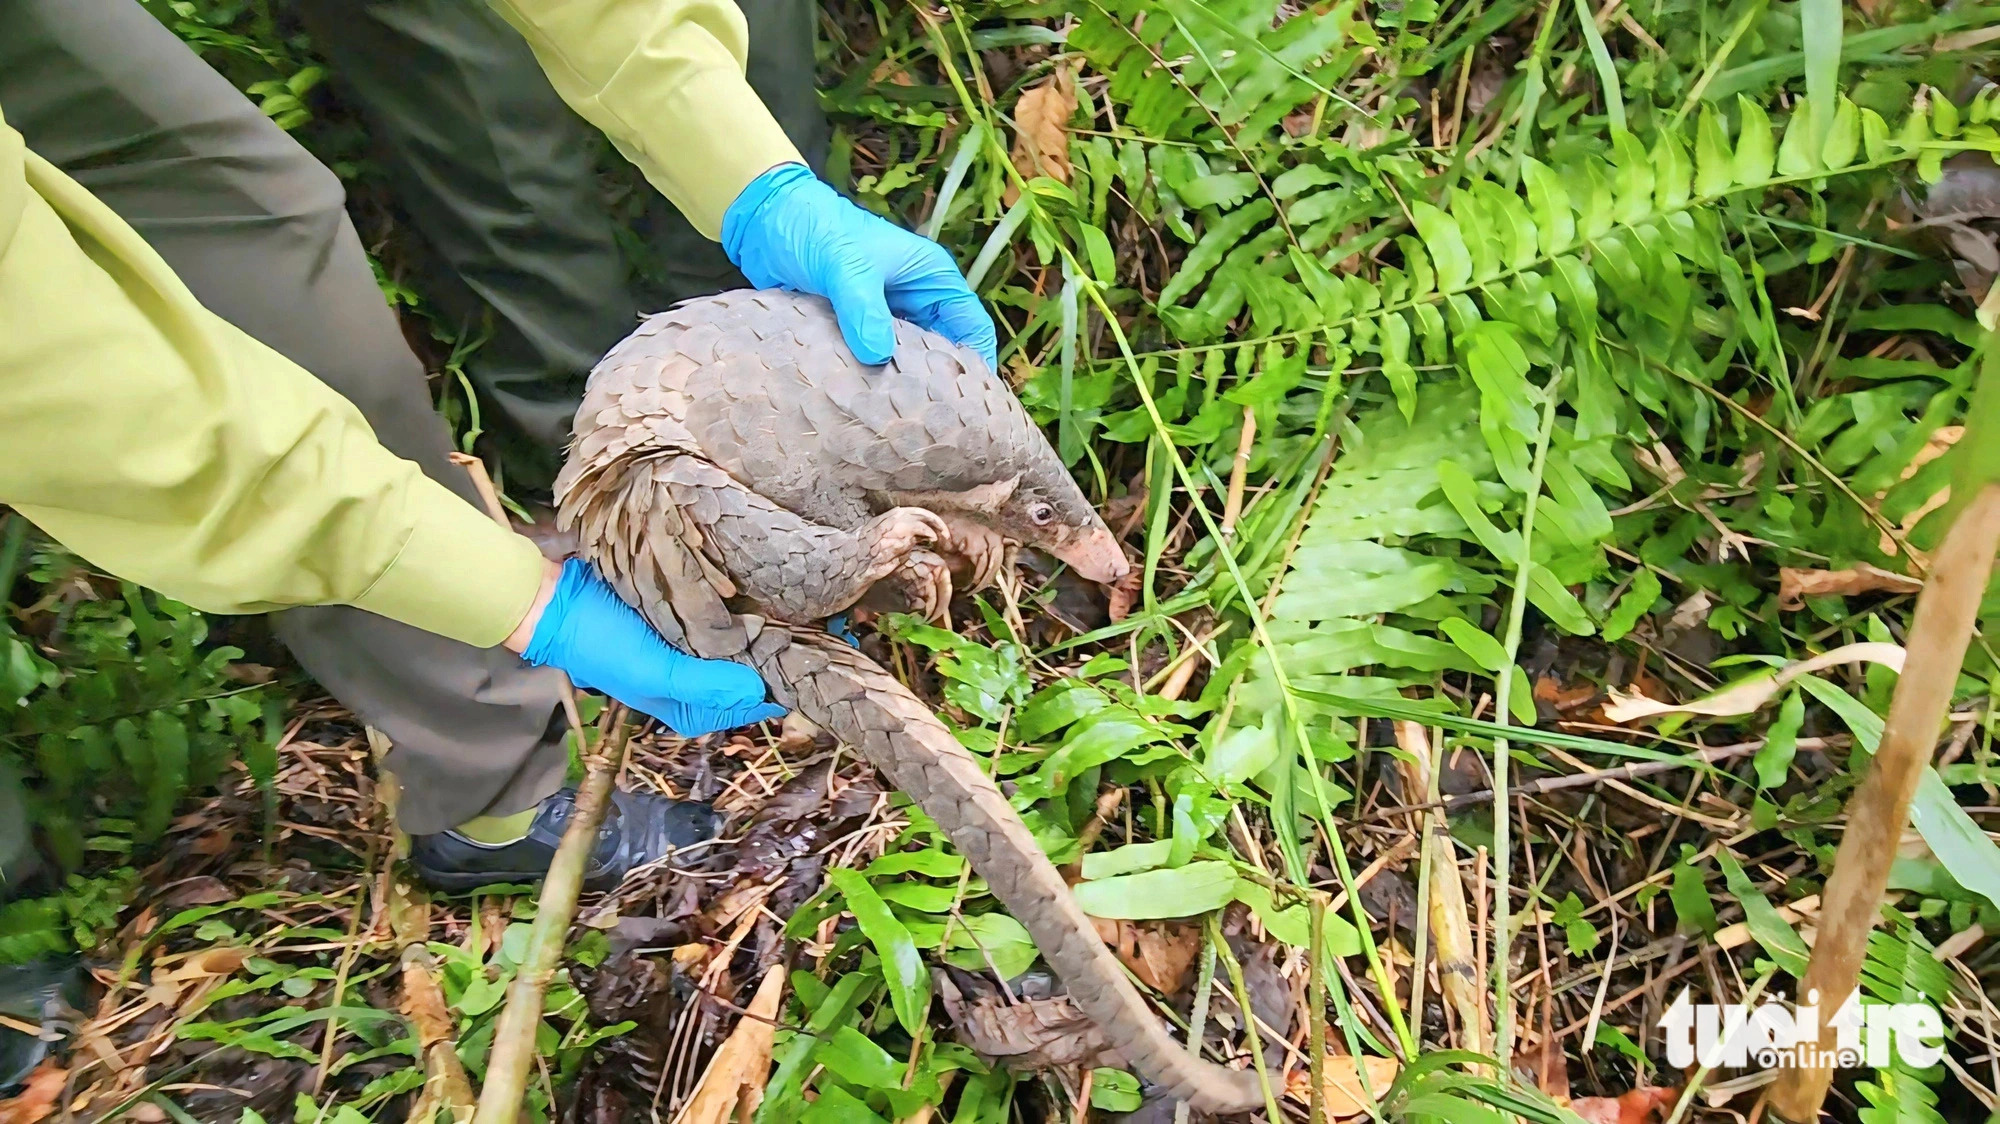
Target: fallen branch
{"x": 1451, "y": 931}
{"x": 1947, "y": 610}
{"x": 513, "y": 1058}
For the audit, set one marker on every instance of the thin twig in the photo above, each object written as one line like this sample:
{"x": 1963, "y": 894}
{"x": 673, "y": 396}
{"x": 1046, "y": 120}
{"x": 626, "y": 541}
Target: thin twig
{"x": 512, "y": 1060}
{"x": 1947, "y": 610}
{"x": 1599, "y": 776}
{"x": 1449, "y": 927}
{"x": 1239, "y": 469}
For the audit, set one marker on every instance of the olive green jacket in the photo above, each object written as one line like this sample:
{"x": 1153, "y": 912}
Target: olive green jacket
{"x": 167, "y": 447}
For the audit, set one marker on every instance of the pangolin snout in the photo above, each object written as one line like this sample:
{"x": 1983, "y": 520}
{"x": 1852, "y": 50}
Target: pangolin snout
{"x": 1094, "y": 554}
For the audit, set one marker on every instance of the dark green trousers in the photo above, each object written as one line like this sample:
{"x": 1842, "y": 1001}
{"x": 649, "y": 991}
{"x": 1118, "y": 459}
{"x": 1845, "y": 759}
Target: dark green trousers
{"x": 499, "y": 180}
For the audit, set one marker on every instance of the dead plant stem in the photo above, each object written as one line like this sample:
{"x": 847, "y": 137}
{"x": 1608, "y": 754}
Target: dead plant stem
{"x": 513, "y": 1057}
{"x": 1947, "y": 610}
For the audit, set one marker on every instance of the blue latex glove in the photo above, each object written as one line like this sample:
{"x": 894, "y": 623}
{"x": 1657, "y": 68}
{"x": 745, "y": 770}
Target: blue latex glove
{"x": 605, "y": 645}
{"x": 789, "y": 230}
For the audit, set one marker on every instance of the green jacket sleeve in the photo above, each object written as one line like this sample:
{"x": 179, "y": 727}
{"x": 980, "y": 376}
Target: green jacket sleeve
{"x": 167, "y": 447}
{"x": 664, "y": 80}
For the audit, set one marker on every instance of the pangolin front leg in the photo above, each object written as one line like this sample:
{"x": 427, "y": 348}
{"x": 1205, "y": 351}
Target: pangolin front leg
{"x": 922, "y": 585}
{"x": 965, "y": 559}
{"x": 976, "y": 551}
{"x": 795, "y": 569}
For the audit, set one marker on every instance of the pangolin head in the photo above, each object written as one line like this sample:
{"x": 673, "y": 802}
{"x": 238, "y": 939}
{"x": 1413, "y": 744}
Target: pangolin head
{"x": 1047, "y": 511}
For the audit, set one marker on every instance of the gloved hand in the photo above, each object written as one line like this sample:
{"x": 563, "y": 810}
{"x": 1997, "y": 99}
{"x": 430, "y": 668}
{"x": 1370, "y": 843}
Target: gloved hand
{"x": 791, "y": 231}
{"x": 605, "y": 645}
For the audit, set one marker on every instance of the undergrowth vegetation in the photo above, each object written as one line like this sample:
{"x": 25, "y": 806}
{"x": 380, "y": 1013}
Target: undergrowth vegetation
{"x": 1463, "y": 376}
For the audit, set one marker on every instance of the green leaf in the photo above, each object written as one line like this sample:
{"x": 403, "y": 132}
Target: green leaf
{"x": 855, "y": 1059}
{"x": 902, "y": 966}
{"x": 1554, "y": 220}
{"x": 1864, "y": 724}
{"x": 835, "y": 1105}
{"x": 1580, "y": 934}
{"x": 1670, "y": 173}
{"x": 1293, "y": 924}
{"x": 1692, "y": 905}
{"x": 1445, "y": 244}
{"x": 1182, "y": 891}
{"x": 1240, "y": 754}
{"x": 1755, "y": 153}
{"x": 1959, "y": 843}
{"x": 1636, "y": 603}
{"x": 1843, "y": 138}
{"x": 1095, "y": 741}
{"x": 1225, "y": 190}
{"x": 1607, "y": 71}
{"x": 1214, "y": 243}
{"x": 1114, "y": 1090}
{"x": 1874, "y": 137}
{"x": 1545, "y": 591}
{"x": 992, "y": 940}
{"x": 923, "y": 897}
{"x": 1781, "y": 742}
{"x": 1608, "y": 1035}
{"x": 930, "y": 862}
{"x": 1097, "y": 247}
{"x": 1821, "y": 23}
{"x": 1770, "y": 930}
{"x": 1393, "y": 339}
{"x": 1715, "y": 172}
{"x": 1798, "y": 153}
{"x": 1475, "y": 642}
{"x": 1129, "y": 859}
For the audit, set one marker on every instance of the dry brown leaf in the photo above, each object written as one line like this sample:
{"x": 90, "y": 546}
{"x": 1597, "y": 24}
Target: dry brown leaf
{"x": 1041, "y": 130}
{"x": 423, "y": 1000}
{"x": 409, "y": 913}
{"x": 214, "y": 962}
{"x": 1746, "y": 697}
{"x": 739, "y": 1069}
{"x": 445, "y": 1083}
{"x": 1549, "y": 691}
{"x": 1027, "y": 1033}
{"x": 1659, "y": 460}
{"x": 1635, "y": 1107}
{"x": 1940, "y": 443}
{"x": 892, "y": 70}
{"x": 1160, "y": 954}
{"x": 1544, "y": 1062}
{"x": 37, "y": 1099}
{"x": 1795, "y": 585}
{"x": 1341, "y": 1093}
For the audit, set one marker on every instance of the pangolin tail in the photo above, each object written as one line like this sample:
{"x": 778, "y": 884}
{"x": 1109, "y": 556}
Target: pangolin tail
{"x": 857, "y": 701}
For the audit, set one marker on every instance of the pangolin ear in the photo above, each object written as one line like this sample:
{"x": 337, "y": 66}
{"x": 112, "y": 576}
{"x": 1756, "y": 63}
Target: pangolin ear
{"x": 988, "y": 499}
{"x": 981, "y": 499}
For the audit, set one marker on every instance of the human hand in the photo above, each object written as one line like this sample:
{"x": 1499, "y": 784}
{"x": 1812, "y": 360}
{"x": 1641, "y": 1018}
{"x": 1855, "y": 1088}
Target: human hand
{"x": 790, "y": 230}
{"x": 580, "y": 625}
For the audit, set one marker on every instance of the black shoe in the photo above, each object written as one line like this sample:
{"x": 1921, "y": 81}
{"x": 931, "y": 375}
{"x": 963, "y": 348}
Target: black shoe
{"x": 638, "y": 828}
{"x": 44, "y": 993}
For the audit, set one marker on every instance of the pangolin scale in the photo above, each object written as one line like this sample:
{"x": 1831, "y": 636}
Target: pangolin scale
{"x": 735, "y": 470}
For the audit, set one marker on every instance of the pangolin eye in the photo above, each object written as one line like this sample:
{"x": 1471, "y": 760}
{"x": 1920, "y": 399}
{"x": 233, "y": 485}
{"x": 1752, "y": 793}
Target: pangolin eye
{"x": 1041, "y": 514}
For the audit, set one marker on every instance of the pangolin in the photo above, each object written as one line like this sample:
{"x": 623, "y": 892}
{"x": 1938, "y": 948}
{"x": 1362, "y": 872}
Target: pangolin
{"x": 737, "y": 475}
